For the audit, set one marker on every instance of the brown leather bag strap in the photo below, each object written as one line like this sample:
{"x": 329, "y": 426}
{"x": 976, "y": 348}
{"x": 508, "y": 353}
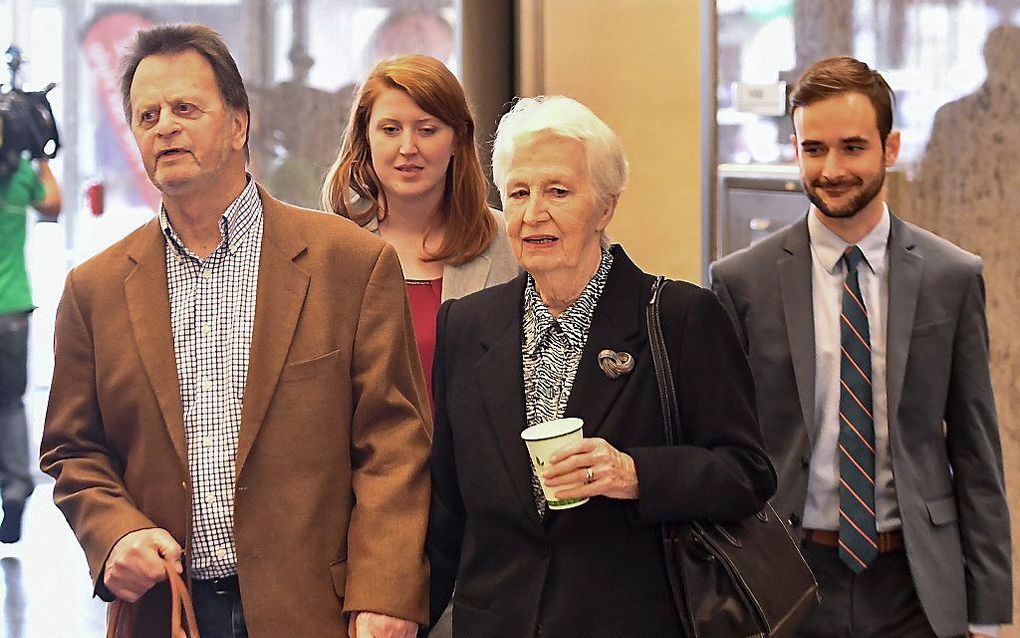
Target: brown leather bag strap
{"x": 180, "y": 599}
{"x": 116, "y": 612}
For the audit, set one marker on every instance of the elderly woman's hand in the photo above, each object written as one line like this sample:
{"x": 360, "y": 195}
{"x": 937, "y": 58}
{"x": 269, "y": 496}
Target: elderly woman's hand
{"x": 592, "y": 467}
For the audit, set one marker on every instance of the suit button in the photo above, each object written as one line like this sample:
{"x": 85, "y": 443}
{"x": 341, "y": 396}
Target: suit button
{"x": 794, "y": 519}
{"x": 805, "y": 461}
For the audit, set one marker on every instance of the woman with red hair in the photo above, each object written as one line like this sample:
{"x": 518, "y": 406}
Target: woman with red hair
{"x": 408, "y": 170}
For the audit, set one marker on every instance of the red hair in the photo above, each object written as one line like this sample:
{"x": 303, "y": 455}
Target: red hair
{"x": 469, "y": 228}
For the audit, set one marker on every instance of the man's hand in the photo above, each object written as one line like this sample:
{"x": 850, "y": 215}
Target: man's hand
{"x": 51, "y": 202}
{"x": 136, "y": 562}
{"x": 366, "y": 624}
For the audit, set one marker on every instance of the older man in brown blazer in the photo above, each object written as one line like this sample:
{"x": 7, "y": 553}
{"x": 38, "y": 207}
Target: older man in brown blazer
{"x": 238, "y": 377}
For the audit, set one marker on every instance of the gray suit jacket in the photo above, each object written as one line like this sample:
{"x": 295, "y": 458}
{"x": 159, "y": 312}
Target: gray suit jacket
{"x": 495, "y": 266}
{"x": 943, "y": 432}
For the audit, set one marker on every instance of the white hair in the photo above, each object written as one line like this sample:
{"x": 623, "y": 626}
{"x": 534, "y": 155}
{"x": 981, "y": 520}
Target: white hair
{"x": 563, "y": 116}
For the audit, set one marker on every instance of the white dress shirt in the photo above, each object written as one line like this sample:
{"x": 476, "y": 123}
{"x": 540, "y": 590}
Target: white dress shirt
{"x": 828, "y": 272}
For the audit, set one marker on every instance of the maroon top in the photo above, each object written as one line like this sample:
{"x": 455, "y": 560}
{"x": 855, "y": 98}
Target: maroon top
{"x": 425, "y": 297}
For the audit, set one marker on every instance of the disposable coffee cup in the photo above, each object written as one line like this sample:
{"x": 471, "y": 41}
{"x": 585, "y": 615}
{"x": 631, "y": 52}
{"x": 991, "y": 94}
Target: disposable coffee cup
{"x": 544, "y": 440}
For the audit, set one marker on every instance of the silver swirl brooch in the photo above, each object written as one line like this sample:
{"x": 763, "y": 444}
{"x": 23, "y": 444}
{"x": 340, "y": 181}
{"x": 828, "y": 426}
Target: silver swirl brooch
{"x": 615, "y": 364}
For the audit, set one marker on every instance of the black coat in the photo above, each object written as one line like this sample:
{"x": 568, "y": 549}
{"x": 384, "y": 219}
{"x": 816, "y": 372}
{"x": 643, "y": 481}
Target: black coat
{"x": 595, "y": 570}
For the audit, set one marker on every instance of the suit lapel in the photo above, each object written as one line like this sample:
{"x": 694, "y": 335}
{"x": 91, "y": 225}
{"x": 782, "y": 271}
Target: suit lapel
{"x": 282, "y": 286}
{"x": 501, "y": 378}
{"x": 794, "y": 267}
{"x": 148, "y": 304}
{"x": 466, "y": 278}
{"x": 457, "y": 280}
{"x": 616, "y": 325}
{"x": 905, "y": 270}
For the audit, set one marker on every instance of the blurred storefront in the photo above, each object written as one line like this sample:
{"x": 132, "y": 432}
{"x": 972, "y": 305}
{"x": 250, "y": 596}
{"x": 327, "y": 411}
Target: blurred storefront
{"x": 300, "y": 59}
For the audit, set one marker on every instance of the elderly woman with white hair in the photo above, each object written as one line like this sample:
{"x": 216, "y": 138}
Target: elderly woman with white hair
{"x": 568, "y": 338}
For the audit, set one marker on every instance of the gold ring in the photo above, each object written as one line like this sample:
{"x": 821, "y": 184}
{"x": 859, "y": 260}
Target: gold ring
{"x": 589, "y": 475}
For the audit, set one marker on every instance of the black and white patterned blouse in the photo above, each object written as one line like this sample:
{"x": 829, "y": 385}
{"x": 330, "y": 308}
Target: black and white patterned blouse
{"x": 212, "y": 315}
{"x": 551, "y": 350}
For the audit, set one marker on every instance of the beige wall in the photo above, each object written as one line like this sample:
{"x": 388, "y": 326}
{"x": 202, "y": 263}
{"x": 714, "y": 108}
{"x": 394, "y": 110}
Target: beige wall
{"x": 637, "y": 64}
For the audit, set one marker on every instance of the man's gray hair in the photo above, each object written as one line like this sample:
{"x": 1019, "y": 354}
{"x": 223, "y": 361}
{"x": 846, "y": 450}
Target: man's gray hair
{"x": 563, "y": 116}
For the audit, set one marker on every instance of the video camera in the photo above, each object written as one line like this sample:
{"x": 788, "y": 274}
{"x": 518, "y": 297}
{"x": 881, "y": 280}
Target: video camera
{"x": 26, "y": 121}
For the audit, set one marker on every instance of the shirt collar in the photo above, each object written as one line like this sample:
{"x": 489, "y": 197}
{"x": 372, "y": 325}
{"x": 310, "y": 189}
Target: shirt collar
{"x": 828, "y": 247}
{"x": 574, "y": 321}
{"x": 240, "y": 216}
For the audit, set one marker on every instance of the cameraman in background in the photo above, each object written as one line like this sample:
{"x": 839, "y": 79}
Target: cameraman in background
{"x": 25, "y": 187}
{"x": 21, "y": 186}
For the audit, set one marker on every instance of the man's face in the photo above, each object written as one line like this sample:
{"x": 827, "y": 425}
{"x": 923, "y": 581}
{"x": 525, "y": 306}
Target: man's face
{"x": 842, "y": 162}
{"x": 188, "y": 138}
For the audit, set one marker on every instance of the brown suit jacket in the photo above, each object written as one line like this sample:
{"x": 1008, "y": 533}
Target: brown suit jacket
{"x": 331, "y": 484}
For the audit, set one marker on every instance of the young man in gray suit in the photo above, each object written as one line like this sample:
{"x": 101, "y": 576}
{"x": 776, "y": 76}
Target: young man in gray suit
{"x": 869, "y": 346}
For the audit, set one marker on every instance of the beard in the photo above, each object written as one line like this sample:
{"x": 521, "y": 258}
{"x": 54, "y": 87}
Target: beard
{"x": 865, "y": 192}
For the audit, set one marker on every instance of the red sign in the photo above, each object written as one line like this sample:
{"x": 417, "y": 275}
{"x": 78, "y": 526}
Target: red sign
{"x": 104, "y": 46}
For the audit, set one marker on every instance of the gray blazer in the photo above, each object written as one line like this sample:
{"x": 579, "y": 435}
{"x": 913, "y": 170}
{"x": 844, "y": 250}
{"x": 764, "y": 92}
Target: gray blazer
{"x": 943, "y": 431}
{"x": 495, "y": 266}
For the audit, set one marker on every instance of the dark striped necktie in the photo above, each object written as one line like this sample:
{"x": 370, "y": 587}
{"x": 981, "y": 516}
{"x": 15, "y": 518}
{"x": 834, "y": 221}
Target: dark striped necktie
{"x": 858, "y": 537}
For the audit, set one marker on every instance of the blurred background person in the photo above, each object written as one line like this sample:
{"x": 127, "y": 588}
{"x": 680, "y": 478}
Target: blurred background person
{"x": 25, "y": 186}
{"x": 532, "y": 350}
{"x": 408, "y": 170}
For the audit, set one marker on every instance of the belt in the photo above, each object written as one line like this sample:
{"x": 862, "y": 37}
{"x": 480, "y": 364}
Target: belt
{"x": 887, "y": 541}
{"x": 226, "y": 585}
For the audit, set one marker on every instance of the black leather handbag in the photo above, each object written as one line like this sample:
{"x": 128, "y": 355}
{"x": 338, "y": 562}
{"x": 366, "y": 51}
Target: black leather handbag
{"x": 730, "y": 580}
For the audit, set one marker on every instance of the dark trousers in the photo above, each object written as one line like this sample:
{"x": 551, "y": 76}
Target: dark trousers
{"x": 218, "y": 608}
{"x": 877, "y": 603}
{"x": 15, "y": 475}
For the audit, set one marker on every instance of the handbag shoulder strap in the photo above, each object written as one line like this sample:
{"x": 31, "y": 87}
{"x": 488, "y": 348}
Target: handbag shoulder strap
{"x": 671, "y": 420}
{"x": 660, "y": 358}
